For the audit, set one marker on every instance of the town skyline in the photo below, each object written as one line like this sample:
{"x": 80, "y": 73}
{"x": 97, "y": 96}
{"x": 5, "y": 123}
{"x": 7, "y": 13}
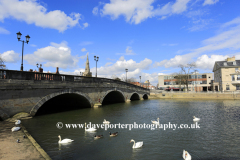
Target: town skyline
{"x": 147, "y": 37}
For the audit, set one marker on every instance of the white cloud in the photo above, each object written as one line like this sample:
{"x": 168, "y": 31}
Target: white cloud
{"x": 228, "y": 39}
{"x": 207, "y": 62}
{"x": 108, "y": 64}
{"x": 10, "y": 57}
{"x": 111, "y": 59}
{"x": 121, "y": 58}
{"x": 171, "y": 44}
{"x": 33, "y": 45}
{"x": 32, "y": 12}
{"x": 85, "y": 25}
{"x": 95, "y": 10}
{"x": 199, "y": 24}
{"x": 173, "y": 62}
{"x": 75, "y": 72}
{"x": 119, "y": 67}
{"x": 136, "y": 11}
{"x": 84, "y": 56}
{"x": 128, "y": 51}
{"x": 3, "y": 30}
{"x": 180, "y": 6}
{"x": 209, "y": 2}
{"x": 83, "y": 49}
{"x": 163, "y": 17}
{"x": 135, "y": 69}
{"x": 56, "y": 55}
{"x": 85, "y": 43}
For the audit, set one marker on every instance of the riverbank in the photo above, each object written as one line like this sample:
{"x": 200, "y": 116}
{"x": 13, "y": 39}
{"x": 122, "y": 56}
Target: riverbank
{"x": 196, "y": 95}
{"x": 26, "y": 149}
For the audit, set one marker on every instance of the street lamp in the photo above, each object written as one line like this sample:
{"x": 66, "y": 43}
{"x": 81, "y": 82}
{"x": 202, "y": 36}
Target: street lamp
{"x": 126, "y": 74}
{"x": 27, "y": 40}
{"x": 96, "y": 59}
{"x": 148, "y": 84}
{"x": 195, "y": 71}
{"x": 140, "y": 80}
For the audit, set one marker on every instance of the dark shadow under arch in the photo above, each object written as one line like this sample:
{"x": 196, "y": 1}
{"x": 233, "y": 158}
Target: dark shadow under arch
{"x": 135, "y": 97}
{"x": 113, "y": 97}
{"x": 63, "y": 102}
{"x": 145, "y": 96}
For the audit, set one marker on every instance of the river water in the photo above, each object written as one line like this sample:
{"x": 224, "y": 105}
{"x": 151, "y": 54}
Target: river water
{"x": 218, "y": 137}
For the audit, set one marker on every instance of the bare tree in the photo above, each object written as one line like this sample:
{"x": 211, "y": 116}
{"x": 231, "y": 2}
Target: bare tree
{"x": 180, "y": 80}
{"x": 2, "y": 66}
{"x": 131, "y": 80}
{"x": 115, "y": 77}
{"x": 185, "y": 69}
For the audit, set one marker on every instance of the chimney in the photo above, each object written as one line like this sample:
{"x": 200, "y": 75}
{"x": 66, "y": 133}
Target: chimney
{"x": 231, "y": 59}
{"x": 57, "y": 71}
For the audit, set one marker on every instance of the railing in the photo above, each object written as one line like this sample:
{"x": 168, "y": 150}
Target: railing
{"x": 37, "y": 76}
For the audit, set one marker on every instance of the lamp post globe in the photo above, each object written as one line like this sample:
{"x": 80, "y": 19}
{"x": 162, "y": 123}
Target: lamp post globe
{"x": 126, "y": 73}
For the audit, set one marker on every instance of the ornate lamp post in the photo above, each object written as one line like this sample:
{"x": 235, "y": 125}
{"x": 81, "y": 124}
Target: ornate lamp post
{"x": 27, "y": 40}
{"x": 96, "y": 59}
{"x": 148, "y": 84}
{"x": 196, "y": 77}
{"x": 126, "y": 74}
{"x": 140, "y": 80}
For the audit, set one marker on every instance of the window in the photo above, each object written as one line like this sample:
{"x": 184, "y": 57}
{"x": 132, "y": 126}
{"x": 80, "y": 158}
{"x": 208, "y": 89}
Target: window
{"x": 237, "y": 87}
{"x": 199, "y": 76}
{"x": 227, "y": 87}
{"x": 236, "y": 69}
{"x": 204, "y": 76}
{"x": 233, "y": 78}
{"x": 238, "y": 77}
{"x": 165, "y": 77}
{"x": 203, "y": 82}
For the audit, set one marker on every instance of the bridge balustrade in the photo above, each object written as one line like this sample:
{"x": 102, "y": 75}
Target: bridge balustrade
{"x": 86, "y": 81}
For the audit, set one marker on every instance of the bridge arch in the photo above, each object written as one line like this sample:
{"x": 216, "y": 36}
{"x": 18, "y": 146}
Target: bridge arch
{"x": 45, "y": 99}
{"x": 134, "y": 96}
{"x": 3, "y": 115}
{"x": 145, "y": 96}
{"x": 112, "y": 96}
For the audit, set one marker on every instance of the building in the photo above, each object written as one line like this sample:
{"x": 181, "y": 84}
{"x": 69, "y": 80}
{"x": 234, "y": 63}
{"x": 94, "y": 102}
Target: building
{"x": 144, "y": 85}
{"x": 87, "y": 72}
{"x": 227, "y": 75}
{"x": 196, "y": 82}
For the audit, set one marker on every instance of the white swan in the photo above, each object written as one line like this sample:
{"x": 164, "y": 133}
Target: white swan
{"x": 196, "y": 119}
{"x": 105, "y": 122}
{"x": 17, "y": 122}
{"x": 156, "y": 122}
{"x": 186, "y": 155}
{"x": 90, "y": 129}
{"x": 64, "y": 140}
{"x": 15, "y": 129}
{"x": 136, "y": 145}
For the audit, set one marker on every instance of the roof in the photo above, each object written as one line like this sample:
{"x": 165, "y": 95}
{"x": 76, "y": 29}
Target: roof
{"x": 220, "y": 64}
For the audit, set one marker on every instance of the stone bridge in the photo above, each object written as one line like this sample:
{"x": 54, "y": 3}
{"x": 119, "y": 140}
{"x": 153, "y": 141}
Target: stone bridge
{"x": 22, "y": 91}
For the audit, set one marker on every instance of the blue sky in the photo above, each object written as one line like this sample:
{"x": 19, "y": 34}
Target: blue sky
{"x": 149, "y": 37}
